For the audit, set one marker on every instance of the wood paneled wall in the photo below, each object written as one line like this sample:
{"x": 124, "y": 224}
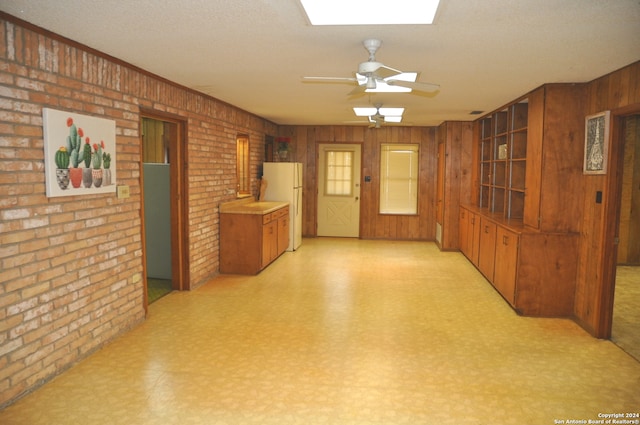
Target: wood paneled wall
{"x": 618, "y": 92}
{"x": 372, "y": 224}
{"x": 629, "y": 247}
{"x": 455, "y": 141}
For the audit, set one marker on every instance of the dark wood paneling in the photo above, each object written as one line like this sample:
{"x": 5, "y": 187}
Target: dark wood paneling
{"x": 562, "y": 158}
{"x": 372, "y": 224}
{"x": 454, "y": 177}
{"x": 533, "y": 186}
{"x": 620, "y": 93}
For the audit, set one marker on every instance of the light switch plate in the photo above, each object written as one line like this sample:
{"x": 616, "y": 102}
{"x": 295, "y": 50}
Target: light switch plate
{"x": 123, "y": 192}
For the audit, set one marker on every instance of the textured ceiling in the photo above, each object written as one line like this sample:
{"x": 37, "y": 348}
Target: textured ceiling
{"x": 253, "y": 53}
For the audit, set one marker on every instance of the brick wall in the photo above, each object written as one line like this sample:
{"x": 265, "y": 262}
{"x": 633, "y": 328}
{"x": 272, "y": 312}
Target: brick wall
{"x": 71, "y": 272}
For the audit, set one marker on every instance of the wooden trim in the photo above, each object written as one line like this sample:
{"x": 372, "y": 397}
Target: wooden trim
{"x": 178, "y": 196}
{"x": 604, "y": 309}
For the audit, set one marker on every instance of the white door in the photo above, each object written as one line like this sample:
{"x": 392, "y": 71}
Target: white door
{"x": 339, "y": 190}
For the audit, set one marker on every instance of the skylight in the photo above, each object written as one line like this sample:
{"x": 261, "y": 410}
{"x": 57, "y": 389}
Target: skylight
{"x": 370, "y": 12}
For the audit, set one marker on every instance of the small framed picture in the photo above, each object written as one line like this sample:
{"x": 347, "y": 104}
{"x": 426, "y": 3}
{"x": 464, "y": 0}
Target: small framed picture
{"x": 596, "y": 143}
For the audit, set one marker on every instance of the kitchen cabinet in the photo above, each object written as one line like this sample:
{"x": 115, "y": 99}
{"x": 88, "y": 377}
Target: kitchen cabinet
{"x": 269, "y": 242}
{"x": 275, "y": 234}
{"x": 283, "y": 229}
{"x": 252, "y": 235}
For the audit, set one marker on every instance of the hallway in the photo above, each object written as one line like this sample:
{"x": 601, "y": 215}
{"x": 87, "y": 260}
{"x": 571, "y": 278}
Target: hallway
{"x": 343, "y": 331}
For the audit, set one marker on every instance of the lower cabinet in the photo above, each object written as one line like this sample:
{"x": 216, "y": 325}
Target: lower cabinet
{"x": 250, "y": 242}
{"x": 487, "y": 252}
{"x": 283, "y": 230}
{"x": 269, "y": 243}
{"x": 275, "y": 235}
{"x": 469, "y": 232}
{"x": 535, "y": 272}
{"x": 504, "y": 276}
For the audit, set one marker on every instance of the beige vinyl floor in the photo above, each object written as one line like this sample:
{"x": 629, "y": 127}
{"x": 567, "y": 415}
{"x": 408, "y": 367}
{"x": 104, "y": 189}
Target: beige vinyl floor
{"x": 625, "y": 330}
{"x": 343, "y": 331}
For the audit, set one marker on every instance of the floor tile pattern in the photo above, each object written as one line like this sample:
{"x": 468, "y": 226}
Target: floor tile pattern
{"x": 342, "y": 331}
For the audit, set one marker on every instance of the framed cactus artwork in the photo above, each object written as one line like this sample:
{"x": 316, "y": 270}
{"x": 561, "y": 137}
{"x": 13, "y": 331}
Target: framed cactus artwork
{"x": 79, "y": 154}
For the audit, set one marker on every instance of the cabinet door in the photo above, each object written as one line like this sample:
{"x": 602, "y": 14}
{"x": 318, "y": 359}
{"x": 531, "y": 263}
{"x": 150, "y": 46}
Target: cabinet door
{"x": 283, "y": 233}
{"x": 474, "y": 237}
{"x": 269, "y": 242}
{"x": 487, "y": 252}
{"x": 463, "y": 230}
{"x": 504, "y": 280}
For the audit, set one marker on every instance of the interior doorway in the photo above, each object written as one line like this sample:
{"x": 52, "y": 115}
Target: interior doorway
{"x": 163, "y": 209}
{"x": 625, "y": 328}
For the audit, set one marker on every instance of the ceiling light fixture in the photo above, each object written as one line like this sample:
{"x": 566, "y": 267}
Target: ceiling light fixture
{"x": 371, "y": 12}
{"x": 376, "y": 115}
{"x": 368, "y": 111}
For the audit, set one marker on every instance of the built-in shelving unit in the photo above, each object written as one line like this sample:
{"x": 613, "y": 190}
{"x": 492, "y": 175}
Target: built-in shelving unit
{"x": 521, "y": 230}
{"x": 503, "y": 160}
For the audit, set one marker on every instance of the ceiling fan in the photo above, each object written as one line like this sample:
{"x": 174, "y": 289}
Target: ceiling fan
{"x": 373, "y": 74}
{"x": 378, "y": 115}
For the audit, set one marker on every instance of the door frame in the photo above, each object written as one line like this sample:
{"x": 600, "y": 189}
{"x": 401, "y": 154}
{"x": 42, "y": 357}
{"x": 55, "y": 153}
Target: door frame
{"x": 178, "y": 200}
{"x": 611, "y": 226}
{"x": 317, "y": 183}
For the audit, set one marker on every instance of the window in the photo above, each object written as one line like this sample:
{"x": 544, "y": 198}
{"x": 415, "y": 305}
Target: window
{"x": 399, "y": 179}
{"x": 242, "y": 165}
{"x": 339, "y": 173}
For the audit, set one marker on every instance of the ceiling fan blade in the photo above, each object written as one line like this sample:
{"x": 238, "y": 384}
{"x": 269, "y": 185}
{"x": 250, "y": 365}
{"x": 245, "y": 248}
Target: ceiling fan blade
{"x": 360, "y": 89}
{"x": 425, "y": 87}
{"x": 330, "y": 79}
{"x": 386, "y": 72}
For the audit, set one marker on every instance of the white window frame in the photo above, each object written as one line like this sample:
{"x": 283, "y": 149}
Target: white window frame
{"x": 339, "y": 173}
{"x": 399, "y": 171}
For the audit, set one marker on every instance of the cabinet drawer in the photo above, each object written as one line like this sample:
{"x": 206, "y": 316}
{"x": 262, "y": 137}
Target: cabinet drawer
{"x": 283, "y": 211}
{"x": 266, "y": 218}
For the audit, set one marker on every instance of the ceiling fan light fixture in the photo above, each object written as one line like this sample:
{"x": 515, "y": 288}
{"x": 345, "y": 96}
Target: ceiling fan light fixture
{"x": 369, "y": 111}
{"x": 382, "y": 87}
{"x": 371, "y": 83}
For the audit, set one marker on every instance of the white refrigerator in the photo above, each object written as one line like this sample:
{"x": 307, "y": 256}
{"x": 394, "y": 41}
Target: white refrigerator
{"x": 284, "y": 183}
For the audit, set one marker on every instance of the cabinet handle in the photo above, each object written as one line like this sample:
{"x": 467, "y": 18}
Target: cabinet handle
{"x": 505, "y": 240}
{"x": 486, "y": 229}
